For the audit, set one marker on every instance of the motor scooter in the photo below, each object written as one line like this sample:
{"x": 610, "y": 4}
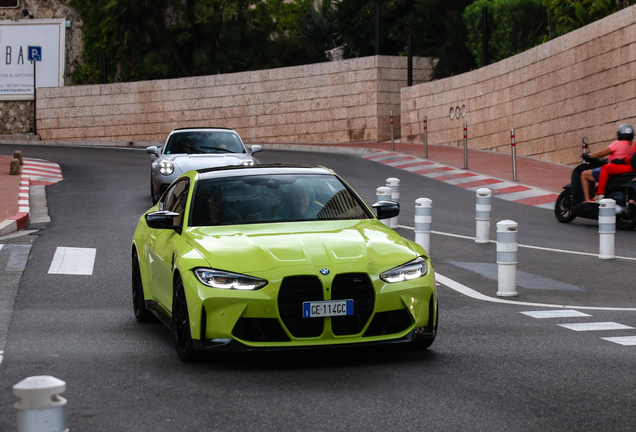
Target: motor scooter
{"x": 621, "y": 188}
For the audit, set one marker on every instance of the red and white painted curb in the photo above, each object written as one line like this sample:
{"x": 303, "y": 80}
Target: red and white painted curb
{"x": 35, "y": 172}
{"x": 506, "y": 190}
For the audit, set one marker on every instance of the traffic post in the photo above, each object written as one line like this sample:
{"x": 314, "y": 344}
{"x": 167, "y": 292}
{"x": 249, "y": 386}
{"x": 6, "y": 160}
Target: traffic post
{"x": 41, "y": 408}
{"x": 394, "y": 184}
{"x": 482, "y": 216}
{"x": 465, "y": 147}
{"x": 514, "y": 155}
{"x": 383, "y": 193}
{"x": 423, "y": 219}
{"x": 425, "y": 139}
{"x": 34, "y": 54}
{"x": 392, "y": 143}
{"x": 607, "y": 228}
{"x": 507, "y": 258}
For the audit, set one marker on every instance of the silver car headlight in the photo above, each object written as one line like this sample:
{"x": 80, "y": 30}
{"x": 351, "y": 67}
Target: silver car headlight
{"x": 409, "y": 271}
{"x": 166, "y": 168}
{"x": 225, "y": 280}
{"x": 248, "y": 162}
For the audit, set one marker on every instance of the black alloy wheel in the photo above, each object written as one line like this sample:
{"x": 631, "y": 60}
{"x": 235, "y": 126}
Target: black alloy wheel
{"x": 181, "y": 324}
{"x": 139, "y": 304}
{"x": 563, "y": 207}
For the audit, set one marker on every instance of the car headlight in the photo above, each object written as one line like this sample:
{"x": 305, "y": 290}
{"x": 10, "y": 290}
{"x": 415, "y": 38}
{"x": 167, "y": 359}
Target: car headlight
{"x": 225, "y": 280}
{"x": 248, "y": 162}
{"x": 166, "y": 168}
{"x": 411, "y": 270}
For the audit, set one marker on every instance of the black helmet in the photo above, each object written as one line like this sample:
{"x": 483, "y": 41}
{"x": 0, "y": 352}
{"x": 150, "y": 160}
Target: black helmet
{"x": 625, "y": 133}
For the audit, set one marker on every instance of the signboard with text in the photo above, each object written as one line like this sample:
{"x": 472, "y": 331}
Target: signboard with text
{"x": 16, "y": 71}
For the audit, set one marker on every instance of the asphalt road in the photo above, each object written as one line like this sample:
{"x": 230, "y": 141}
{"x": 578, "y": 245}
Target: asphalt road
{"x": 492, "y": 368}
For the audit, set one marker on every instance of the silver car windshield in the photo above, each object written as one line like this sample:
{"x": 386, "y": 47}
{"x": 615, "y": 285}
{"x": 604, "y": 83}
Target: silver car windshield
{"x": 200, "y": 142}
{"x": 274, "y": 198}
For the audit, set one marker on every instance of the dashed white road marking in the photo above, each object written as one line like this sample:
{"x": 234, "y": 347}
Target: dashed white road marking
{"x": 75, "y": 261}
{"x": 568, "y": 313}
{"x": 596, "y": 326}
{"x": 622, "y": 340}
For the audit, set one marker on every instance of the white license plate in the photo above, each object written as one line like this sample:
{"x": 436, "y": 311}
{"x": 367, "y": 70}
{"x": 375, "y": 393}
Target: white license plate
{"x": 327, "y": 308}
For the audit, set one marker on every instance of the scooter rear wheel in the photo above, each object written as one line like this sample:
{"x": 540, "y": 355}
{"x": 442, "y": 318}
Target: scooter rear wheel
{"x": 626, "y": 220}
{"x": 563, "y": 207}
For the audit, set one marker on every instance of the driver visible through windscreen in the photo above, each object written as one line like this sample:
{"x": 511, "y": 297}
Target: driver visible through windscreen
{"x": 275, "y": 198}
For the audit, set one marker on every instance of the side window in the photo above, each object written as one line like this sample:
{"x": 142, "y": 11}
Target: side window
{"x": 176, "y": 198}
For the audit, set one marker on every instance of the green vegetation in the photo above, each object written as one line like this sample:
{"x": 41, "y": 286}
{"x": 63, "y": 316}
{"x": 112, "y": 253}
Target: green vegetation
{"x": 514, "y": 26}
{"x": 568, "y": 15}
{"x": 153, "y": 39}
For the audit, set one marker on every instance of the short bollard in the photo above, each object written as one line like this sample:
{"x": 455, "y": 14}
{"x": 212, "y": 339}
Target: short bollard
{"x": 482, "y": 215}
{"x": 394, "y": 184}
{"x": 41, "y": 408}
{"x": 507, "y": 258}
{"x": 18, "y": 155}
{"x": 14, "y": 167}
{"x": 423, "y": 223}
{"x": 606, "y": 228}
{"x": 383, "y": 193}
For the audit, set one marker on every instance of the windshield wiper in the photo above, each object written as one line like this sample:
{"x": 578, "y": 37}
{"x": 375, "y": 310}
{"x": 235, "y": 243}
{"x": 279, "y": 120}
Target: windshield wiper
{"x": 218, "y": 150}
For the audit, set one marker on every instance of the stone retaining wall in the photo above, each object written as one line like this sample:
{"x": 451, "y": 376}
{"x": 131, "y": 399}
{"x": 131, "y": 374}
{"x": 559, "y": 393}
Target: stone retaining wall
{"x": 579, "y": 85}
{"x": 340, "y": 101}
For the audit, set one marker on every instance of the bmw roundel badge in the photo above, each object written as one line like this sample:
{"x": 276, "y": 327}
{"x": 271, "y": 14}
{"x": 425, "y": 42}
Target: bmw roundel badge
{"x": 324, "y": 271}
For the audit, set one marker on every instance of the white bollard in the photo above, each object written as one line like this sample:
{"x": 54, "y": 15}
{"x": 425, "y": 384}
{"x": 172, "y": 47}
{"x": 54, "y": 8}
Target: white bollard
{"x": 606, "y": 228}
{"x": 507, "y": 258}
{"x": 394, "y": 184}
{"x": 482, "y": 215}
{"x": 383, "y": 193}
{"x": 41, "y": 408}
{"x": 423, "y": 223}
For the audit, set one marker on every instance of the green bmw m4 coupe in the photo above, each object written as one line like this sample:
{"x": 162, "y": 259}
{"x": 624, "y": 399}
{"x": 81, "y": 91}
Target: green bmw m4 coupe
{"x": 278, "y": 257}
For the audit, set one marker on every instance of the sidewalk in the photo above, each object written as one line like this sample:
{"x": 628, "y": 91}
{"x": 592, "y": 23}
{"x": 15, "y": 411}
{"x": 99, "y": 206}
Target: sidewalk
{"x": 531, "y": 173}
{"x": 15, "y": 191}
{"x": 9, "y": 197}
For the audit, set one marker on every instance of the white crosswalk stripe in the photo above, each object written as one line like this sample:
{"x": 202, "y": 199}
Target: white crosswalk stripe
{"x": 567, "y": 313}
{"x": 622, "y": 340}
{"x": 73, "y": 261}
{"x": 596, "y": 326}
{"x": 586, "y": 326}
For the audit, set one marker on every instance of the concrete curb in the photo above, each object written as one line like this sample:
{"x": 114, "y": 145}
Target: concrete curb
{"x": 7, "y": 227}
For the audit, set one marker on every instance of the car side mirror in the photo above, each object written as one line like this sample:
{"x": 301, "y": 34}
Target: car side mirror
{"x": 152, "y": 150}
{"x": 163, "y": 219}
{"x": 386, "y": 209}
{"x": 256, "y": 148}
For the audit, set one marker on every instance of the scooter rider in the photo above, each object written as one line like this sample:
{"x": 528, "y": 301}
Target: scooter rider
{"x": 619, "y": 149}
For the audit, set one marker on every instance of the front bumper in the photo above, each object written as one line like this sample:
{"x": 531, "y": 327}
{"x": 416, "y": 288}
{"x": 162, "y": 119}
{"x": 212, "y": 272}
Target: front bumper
{"x": 420, "y": 334}
{"x": 268, "y": 319}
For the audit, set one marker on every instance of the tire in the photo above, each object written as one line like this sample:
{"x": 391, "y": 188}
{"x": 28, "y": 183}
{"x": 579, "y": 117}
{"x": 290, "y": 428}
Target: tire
{"x": 563, "y": 207}
{"x": 626, "y": 220}
{"x": 181, "y": 324}
{"x": 152, "y": 192}
{"x": 142, "y": 314}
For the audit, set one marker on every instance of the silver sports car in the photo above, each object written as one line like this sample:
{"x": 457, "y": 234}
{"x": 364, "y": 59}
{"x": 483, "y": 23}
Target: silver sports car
{"x": 195, "y": 148}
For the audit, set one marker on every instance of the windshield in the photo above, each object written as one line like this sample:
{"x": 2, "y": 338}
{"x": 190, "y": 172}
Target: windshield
{"x": 274, "y": 198}
{"x": 199, "y": 142}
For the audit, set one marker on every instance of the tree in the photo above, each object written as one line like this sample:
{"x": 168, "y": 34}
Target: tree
{"x": 568, "y": 15}
{"x": 152, "y": 39}
{"x": 514, "y": 26}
